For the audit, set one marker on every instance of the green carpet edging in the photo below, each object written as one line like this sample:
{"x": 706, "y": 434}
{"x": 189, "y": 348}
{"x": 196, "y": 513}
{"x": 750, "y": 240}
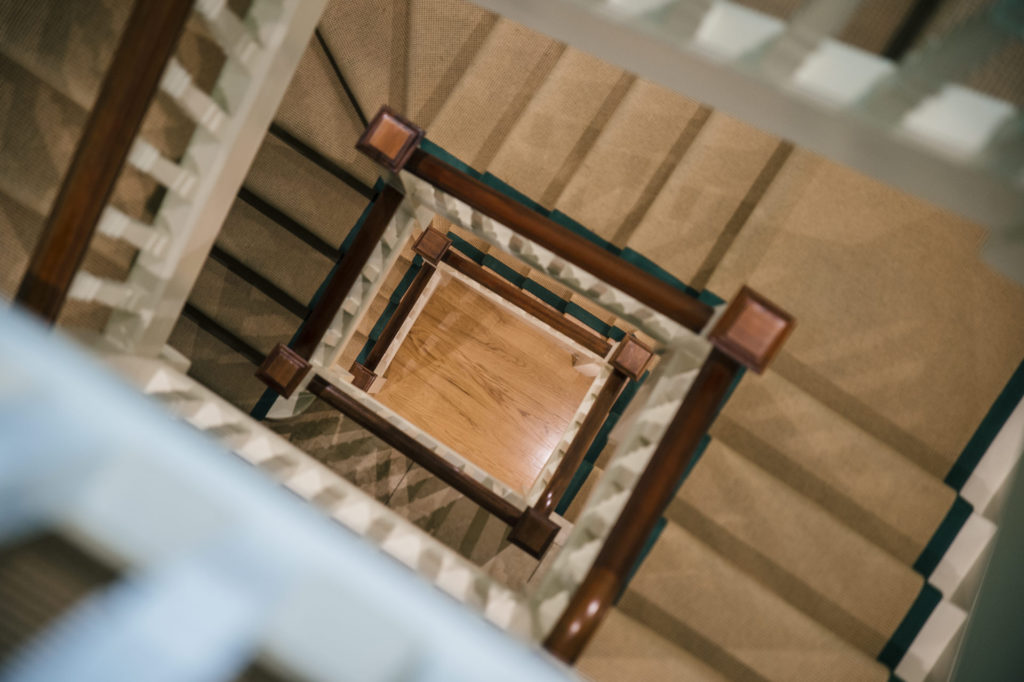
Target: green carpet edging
{"x": 504, "y": 270}
{"x": 994, "y": 420}
{"x": 266, "y": 401}
{"x": 943, "y": 537}
{"x": 898, "y": 645}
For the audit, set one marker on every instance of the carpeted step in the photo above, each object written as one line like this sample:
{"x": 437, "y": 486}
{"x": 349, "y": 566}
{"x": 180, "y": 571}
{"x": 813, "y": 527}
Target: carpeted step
{"x": 796, "y": 548}
{"x": 551, "y": 138}
{"x": 909, "y": 335}
{"x": 241, "y": 308}
{"x": 305, "y": 192}
{"x": 623, "y": 650}
{"x": 346, "y": 448}
{"x": 316, "y": 110}
{"x": 870, "y": 486}
{"x": 273, "y": 252}
{"x": 40, "y": 128}
{"x": 723, "y": 173}
{"x": 444, "y": 37}
{"x": 216, "y": 365}
{"x": 20, "y": 229}
{"x": 630, "y": 160}
{"x": 493, "y": 93}
{"x": 445, "y": 514}
{"x": 696, "y": 599}
{"x": 67, "y": 45}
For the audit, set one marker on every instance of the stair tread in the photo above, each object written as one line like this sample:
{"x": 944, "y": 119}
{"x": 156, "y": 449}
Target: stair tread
{"x": 547, "y": 136}
{"x": 241, "y": 308}
{"x": 627, "y": 154}
{"x": 827, "y": 458}
{"x": 444, "y": 38}
{"x": 704, "y": 196}
{"x": 316, "y": 199}
{"x": 273, "y": 252}
{"x": 316, "y": 110}
{"x": 696, "y": 599}
{"x": 624, "y": 650}
{"x": 365, "y": 63}
{"x": 20, "y": 230}
{"x": 910, "y": 334}
{"x": 216, "y": 365}
{"x": 69, "y": 45}
{"x": 796, "y": 547}
{"x": 478, "y": 114}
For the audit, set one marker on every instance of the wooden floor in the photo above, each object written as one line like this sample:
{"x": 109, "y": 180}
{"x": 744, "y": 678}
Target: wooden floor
{"x": 489, "y": 384}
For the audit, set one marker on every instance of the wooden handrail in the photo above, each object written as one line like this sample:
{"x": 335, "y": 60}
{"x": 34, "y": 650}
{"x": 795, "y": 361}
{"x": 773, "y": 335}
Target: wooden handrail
{"x": 347, "y": 272}
{"x": 581, "y": 443}
{"x": 749, "y": 334}
{"x": 394, "y": 142}
{"x": 398, "y": 318}
{"x": 414, "y": 450}
{"x": 514, "y": 295}
{"x": 147, "y": 43}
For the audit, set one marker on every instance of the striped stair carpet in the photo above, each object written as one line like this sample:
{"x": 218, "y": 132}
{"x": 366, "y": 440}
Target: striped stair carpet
{"x": 801, "y": 544}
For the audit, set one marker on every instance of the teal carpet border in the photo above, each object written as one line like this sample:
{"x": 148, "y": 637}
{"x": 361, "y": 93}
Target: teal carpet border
{"x": 943, "y": 537}
{"x": 997, "y": 415}
{"x": 898, "y": 645}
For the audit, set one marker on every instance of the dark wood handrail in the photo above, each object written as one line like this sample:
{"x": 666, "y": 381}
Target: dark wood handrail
{"x": 581, "y": 443}
{"x": 147, "y": 43}
{"x": 414, "y": 450}
{"x": 749, "y": 334}
{"x": 347, "y": 272}
{"x": 514, "y": 295}
{"x": 561, "y": 241}
{"x": 394, "y": 142}
{"x": 652, "y": 493}
{"x": 405, "y": 306}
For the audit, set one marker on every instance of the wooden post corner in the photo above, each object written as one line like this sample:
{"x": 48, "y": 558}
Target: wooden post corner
{"x": 390, "y": 139}
{"x": 533, "y": 532}
{"x": 631, "y": 357}
{"x": 432, "y": 245}
{"x": 283, "y": 370}
{"x": 362, "y": 376}
{"x": 752, "y": 330}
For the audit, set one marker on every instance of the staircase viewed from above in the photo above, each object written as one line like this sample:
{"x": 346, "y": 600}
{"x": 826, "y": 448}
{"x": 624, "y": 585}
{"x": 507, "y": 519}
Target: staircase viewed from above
{"x": 833, "y": 521}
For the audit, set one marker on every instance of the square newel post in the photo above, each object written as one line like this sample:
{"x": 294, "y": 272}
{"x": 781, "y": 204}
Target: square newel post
{"x": 390, "y": 139}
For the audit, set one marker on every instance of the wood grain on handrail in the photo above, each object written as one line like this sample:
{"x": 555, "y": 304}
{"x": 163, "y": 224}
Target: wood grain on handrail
{"x": 517, "y": 297}
{"x": 625, "y": 276}
{"x": 654, "y": 490}
{"x": 347, "y": 272}
{"x": 414, "y": 450}
{"x": 147, "y": 43}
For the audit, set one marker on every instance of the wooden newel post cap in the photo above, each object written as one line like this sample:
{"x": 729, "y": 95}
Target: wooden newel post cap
{"x": 390, "y": 139}
{"x": 283, "y": 370}
{"x": 432, "y": 245}
{"x": 631, "y": 357}
{"x": 752, "y": 330}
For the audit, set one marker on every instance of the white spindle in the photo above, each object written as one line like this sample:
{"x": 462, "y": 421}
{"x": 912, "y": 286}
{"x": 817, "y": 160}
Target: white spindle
{"x": 146, "y": 158}
{"x": 228, "y": 30}
{"x": 150, "y": 238}
{"x": 814, "y": 21}
{"x": 119, "y": 295}
{"x": 200, "y": 107}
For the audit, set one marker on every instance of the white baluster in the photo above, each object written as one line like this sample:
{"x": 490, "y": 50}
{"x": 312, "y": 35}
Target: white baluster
{"x": 228, "y": 30}
{"x": 809, "y": 25}
{"x": 200, "y": 107}
{"x": 150, "y": 238}
{"x": 146, "y": 158}
{"x": 120, "y": 295}
{"x": 925, "y": 71}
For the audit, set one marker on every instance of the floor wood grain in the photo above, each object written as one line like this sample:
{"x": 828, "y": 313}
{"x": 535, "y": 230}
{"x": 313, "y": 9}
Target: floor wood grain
{"x": 488, "y": 384}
